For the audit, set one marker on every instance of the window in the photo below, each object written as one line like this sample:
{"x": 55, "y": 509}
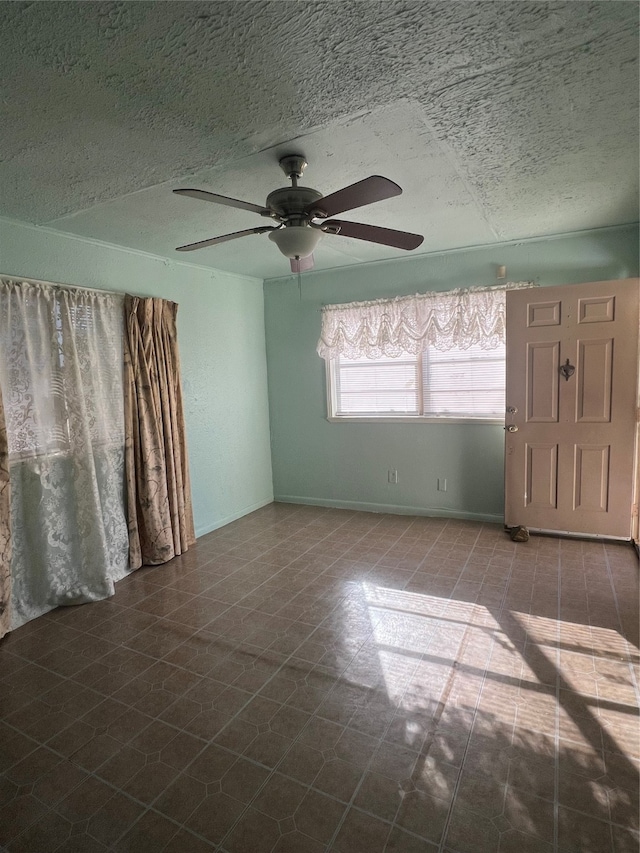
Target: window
{"x": 457, "y": 384}
{"x": 436, "y": 356}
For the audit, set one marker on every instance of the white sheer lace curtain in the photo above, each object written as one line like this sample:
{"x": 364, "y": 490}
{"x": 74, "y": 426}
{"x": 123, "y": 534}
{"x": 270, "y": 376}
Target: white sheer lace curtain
{"x": 389, "y": 328}
{"x": 61, "y": 380}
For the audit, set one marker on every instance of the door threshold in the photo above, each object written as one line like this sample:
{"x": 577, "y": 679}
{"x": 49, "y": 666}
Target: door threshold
{"x": 569, "y": 534}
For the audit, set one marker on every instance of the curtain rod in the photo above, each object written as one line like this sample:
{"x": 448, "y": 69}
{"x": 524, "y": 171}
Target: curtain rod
{"x": 64, "y": 285}
{"x": 457, "y": 291}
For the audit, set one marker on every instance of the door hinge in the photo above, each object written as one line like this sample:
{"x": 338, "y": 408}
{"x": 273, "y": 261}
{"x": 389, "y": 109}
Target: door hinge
{"x": 634, "y": 511}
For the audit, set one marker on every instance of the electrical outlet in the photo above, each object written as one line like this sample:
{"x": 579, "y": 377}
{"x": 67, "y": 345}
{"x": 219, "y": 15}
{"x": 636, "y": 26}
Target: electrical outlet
{"x": 442, "y": 484}
{"x": 392, "y": 475}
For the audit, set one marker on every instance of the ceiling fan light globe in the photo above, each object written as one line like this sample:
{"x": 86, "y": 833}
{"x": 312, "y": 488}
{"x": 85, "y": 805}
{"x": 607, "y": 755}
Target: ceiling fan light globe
{"x": 296, "y": 241}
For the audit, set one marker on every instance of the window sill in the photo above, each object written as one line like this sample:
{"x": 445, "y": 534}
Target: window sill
{"x": 412, "y": 419}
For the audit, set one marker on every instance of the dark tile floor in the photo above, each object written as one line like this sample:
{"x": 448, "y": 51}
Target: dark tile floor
{"x": 308, "y": 680}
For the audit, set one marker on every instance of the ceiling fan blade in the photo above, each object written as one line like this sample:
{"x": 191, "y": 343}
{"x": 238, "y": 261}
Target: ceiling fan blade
{"x": 212, "y": 242}
{"x": 302, "y": 264}
{"x": 374, "y": 234}
{"x": 375, "y": 188}
{"x": 222, "y": 199}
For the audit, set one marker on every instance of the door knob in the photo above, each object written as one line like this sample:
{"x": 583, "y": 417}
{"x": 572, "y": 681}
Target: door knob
{"x": 512, "y": 410}
{"x": 511, "y": 428}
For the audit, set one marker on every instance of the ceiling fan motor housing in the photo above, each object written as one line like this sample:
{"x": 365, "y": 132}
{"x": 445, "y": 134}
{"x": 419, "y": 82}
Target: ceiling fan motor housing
{"x": 290, "y": 206}
{"x": 290, "y": 203}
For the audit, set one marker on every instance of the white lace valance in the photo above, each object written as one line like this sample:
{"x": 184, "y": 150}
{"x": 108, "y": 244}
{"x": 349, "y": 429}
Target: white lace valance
{"x": 388, "y": 328}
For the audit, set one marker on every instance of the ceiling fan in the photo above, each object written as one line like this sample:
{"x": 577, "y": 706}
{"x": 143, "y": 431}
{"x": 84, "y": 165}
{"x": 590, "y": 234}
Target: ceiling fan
{"x": 303, "y": 214}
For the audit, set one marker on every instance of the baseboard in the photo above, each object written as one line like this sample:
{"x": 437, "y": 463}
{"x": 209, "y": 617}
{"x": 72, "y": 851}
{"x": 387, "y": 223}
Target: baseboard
{"x": 431, "y": 512}
{"x": 202, "y": 531}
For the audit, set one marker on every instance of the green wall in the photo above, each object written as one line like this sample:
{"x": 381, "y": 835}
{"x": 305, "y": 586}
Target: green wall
{"x": 221, "y": 323}
{"x": 346, "y": 464}
{"x": 222, "y": 348}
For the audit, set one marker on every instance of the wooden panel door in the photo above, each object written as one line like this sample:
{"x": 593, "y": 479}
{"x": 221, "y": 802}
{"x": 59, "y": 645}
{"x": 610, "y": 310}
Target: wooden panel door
{"x": 572, "y": 384}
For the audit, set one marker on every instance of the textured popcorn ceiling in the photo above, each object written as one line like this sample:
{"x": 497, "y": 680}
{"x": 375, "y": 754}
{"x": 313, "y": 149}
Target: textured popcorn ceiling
{"x": 500, "y": 120}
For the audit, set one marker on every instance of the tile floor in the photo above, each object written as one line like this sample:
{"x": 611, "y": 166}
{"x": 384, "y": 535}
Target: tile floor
{"x": 309, "y": 680}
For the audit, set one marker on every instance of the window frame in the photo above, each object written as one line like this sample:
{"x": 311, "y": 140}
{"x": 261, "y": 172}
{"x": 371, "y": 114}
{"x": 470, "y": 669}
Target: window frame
{"x": 332, "y": 384}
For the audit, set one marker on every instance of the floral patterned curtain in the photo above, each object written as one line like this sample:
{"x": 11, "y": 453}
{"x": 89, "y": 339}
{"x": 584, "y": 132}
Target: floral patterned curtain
{"x": 5, "y": 529}
{"x": 160, "y": 515}
{"x": 389, "y": 328}
{"x": 61, "y": 380}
